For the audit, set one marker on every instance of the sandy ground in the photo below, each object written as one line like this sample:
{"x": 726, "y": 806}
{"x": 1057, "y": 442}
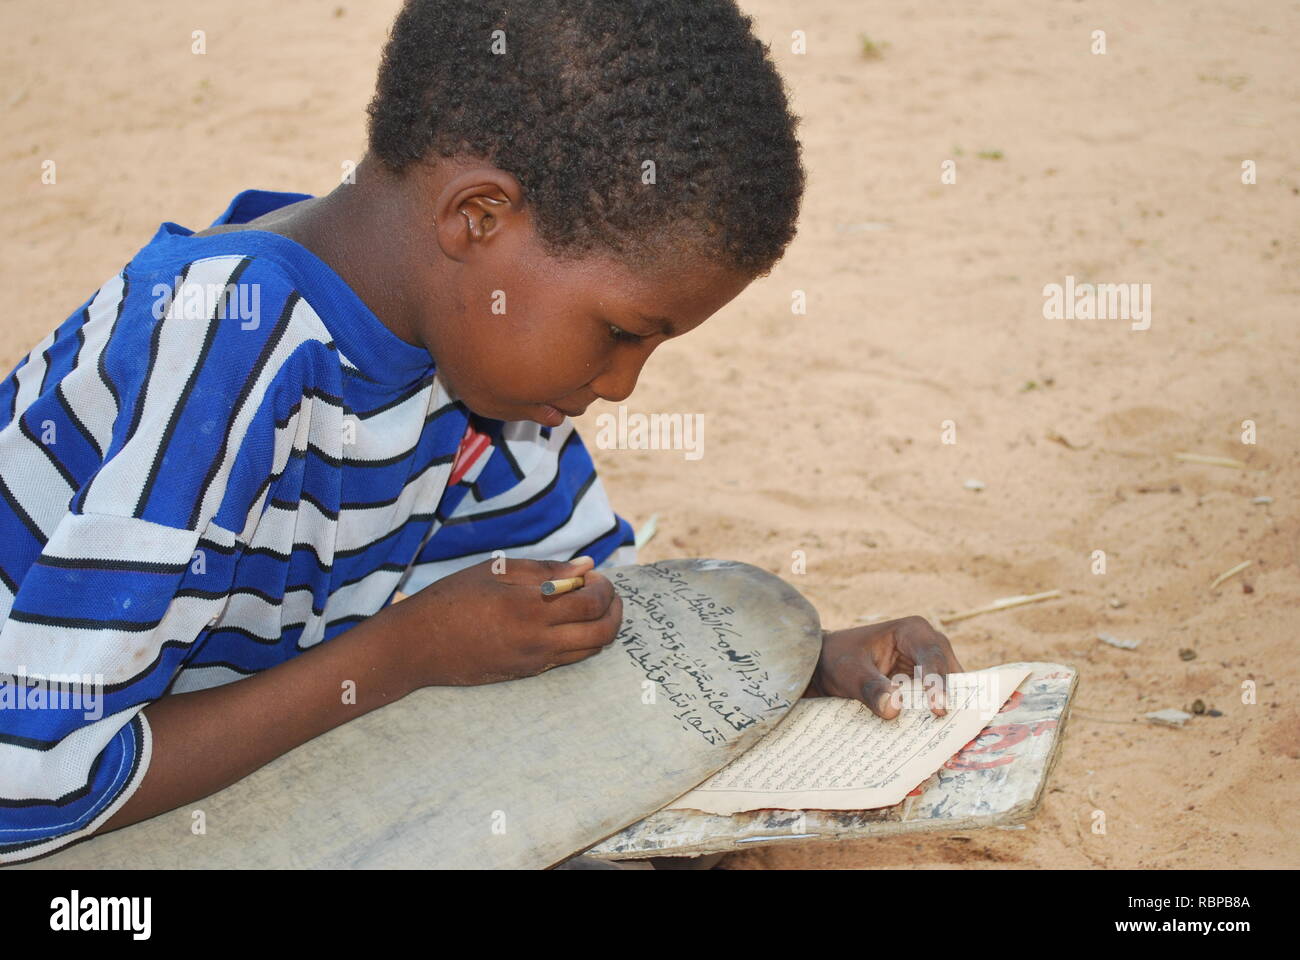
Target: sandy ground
{"x": 925, "y": 304}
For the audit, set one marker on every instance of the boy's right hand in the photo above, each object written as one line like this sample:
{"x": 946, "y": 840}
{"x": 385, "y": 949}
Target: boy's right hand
{"x": 476, "y": 626}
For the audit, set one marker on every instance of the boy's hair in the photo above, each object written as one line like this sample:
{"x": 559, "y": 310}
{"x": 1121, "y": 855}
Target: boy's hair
{"x": 584, "y": 93}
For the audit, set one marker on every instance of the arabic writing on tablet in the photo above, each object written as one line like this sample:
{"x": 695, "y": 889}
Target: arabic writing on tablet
{"x": 700, "y": 680}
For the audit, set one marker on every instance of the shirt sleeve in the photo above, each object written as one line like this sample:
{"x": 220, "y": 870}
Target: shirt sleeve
{"x": 534, "y": 494}
{"x": 110, "y": 573}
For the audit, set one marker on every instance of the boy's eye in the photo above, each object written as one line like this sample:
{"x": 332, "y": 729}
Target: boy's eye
{"x": 618, "y": 333}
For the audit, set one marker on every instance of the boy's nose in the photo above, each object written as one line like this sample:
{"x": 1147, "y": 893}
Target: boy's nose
{"x": 617, "y": 383}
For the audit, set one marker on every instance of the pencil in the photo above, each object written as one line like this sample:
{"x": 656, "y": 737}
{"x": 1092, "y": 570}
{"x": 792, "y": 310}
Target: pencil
{"x": 553, "y": 588}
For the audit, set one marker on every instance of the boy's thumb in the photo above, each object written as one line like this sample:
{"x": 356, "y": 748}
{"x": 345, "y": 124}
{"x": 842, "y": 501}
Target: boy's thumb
{"x": 879, "y": 693}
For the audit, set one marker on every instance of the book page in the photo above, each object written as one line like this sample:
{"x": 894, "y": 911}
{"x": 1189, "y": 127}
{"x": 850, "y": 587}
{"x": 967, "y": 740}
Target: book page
{"x": 830, "y": 753}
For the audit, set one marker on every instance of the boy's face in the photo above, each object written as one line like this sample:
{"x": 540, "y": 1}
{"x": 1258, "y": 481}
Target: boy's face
{"x": 519, "y": 335}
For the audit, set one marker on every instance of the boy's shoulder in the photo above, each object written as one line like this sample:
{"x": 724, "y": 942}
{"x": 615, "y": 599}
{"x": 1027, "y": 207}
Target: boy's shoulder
{"x": 238, "y": 303}
{"x": 258, "y": 283}
{"x": 247, "y": 256}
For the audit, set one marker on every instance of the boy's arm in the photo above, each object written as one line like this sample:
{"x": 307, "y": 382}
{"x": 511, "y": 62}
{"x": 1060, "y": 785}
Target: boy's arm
{"x": 476, "y": 626}
{"x": 206, "y": 740}
{"x": 110, "y": 598}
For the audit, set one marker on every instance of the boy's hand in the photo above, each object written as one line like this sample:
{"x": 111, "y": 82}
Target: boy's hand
{"x": 477, "y": 626}
{"x": 858, "y": 663}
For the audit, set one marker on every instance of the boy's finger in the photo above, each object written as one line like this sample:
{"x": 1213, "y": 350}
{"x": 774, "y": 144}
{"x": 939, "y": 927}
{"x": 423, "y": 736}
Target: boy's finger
{"x": 569, "y": 637}
{"x": 941, "y": 642}
{"x": 572, "y": 656}
{"x": 525, "y": 570}
{"x": 521, "y": 571}
{"x": 878, "y": 694}
{"x": 589, "y": 602}
{"x": 934, "y": 665}
{"x": 554, "y": 569}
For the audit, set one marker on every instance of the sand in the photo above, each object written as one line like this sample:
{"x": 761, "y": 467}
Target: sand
{"x": 924, "y": 305}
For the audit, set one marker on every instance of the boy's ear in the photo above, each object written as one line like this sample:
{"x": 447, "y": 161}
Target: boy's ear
{"x": 483, "y": 214}
{"x": 472, "y": 206}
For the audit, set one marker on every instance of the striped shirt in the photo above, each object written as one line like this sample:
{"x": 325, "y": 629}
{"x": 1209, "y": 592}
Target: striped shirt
{"x": 222, "y": 459}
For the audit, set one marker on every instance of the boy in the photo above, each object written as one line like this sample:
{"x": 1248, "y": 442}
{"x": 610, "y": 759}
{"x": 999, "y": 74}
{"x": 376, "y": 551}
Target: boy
{"x": 227, "y": 462}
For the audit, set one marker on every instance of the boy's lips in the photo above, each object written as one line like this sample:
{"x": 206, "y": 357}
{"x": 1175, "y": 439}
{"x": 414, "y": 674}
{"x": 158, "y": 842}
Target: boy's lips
{"x": 553, "y": 416}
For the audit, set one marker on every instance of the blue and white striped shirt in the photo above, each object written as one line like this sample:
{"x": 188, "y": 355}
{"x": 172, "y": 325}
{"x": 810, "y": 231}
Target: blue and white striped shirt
{"x": 220, "y": 460}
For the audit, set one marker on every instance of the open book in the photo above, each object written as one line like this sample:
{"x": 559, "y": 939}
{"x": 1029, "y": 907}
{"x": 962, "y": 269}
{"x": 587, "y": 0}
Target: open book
{"x": 835, "y": 754}
{"x": 995, "y": 779}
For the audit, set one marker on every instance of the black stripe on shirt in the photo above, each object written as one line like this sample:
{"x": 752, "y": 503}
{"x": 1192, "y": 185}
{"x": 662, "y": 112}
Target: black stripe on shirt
{"x": 19, "y": 512}
{"x": 100, "y": 366}
{"x": 582, "y": 551}
{"x": 401, "y": 398}
{"x": 154, "y": 340}
{"x": 577, "y": 502}
{"x": 63, "y": 471}
{"x": 213, "y": 326}
{"x": 100, "y": 563}
{"x": 272, "y": 342}
{"x": 8, "y": 581}
{"x": 84, "y": 623}
{"x": 45, "y": 374}
{"x": 13, "y": 400}
{"x": 63, "y": 801}
{"x": 76, "y": 421}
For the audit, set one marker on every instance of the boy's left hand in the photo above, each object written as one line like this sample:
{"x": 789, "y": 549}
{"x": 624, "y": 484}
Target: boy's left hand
{"x": 858, "y": 663}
